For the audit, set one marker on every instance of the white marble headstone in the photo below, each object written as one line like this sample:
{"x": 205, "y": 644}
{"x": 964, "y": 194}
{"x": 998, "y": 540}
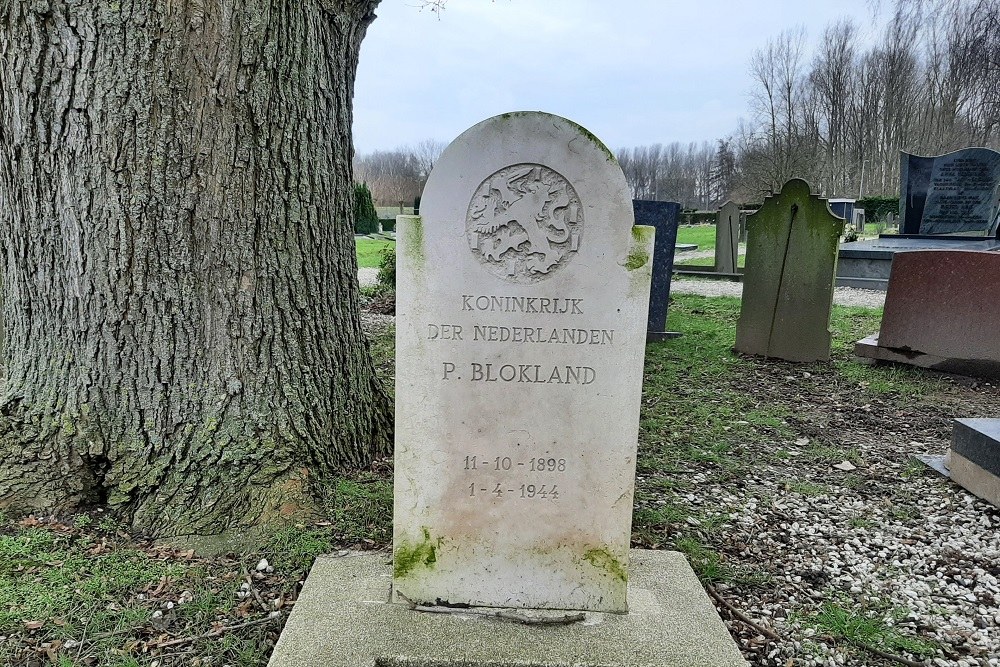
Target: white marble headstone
{"x": 521, "y": 321}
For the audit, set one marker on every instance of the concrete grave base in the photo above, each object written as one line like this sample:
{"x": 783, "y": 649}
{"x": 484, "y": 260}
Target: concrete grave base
{"x": 973, "y": 461}
{"x": 869, "y": 348}
{"x": 343, "y": 618}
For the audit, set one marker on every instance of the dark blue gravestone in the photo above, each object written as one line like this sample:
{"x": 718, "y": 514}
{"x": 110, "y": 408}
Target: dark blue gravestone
{"x": 953, "y": 194}
{"x": 843, "y": 208}
{"x": 664, "y": 216}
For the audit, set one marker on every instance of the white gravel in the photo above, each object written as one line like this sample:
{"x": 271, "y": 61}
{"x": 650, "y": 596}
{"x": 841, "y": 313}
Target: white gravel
{"x": 934, "y": 578}
{"x": 367, "y": 277}
{"x": 844, "y": 296}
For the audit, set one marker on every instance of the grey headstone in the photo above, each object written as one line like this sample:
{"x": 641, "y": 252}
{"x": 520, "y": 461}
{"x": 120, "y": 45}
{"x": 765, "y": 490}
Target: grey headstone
{"x": 979, "y": 441}
{"x": 727, "y": 238}
{"x": 788, "y": 285}
{"x": 956, "y": 193}
{"x": 843, "y": 208}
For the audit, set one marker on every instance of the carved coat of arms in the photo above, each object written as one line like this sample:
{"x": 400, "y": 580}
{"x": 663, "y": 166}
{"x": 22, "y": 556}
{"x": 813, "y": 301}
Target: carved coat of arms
{"x": 524, "y": 222}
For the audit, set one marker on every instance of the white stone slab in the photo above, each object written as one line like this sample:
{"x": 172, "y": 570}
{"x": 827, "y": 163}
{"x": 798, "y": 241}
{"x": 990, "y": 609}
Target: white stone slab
{"x": 521, "y": 312}
{"x": 341, "y": 619}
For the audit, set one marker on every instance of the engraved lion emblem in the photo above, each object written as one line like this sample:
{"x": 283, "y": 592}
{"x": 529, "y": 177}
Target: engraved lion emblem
{"x": 524, "y": 222}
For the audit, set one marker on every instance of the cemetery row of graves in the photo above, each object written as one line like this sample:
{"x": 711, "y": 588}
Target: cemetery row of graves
{"x": 567, "y": 454}
{"x": 759, "y": 471}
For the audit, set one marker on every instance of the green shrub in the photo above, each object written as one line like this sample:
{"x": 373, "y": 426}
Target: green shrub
{"x": 387, "y": 268}
{"x": 365, "y": 217}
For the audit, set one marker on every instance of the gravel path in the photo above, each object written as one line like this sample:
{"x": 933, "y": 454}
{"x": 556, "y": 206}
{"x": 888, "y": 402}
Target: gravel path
{"x": 367, "y": 276}
{"x": 844, "y": 296}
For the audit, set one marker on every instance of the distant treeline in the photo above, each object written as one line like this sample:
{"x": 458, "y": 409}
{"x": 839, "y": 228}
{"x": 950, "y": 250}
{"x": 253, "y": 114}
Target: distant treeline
{"x": 837, "y": 116}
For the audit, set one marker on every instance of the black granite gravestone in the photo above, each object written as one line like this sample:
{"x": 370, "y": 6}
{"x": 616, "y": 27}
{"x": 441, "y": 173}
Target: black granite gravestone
{"x": 664, "y": 216}
{"x": 953, "y": 194}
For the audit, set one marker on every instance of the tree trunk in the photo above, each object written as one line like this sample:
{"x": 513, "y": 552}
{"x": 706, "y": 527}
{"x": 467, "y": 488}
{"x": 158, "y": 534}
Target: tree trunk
{"x": 180, "y": 307}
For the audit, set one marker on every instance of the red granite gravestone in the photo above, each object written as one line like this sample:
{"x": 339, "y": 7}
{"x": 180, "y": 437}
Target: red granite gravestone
{"x": 941, "y": 313}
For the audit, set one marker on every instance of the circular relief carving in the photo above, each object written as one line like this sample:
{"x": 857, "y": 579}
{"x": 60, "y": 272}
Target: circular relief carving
{"x": 524, "y": 223}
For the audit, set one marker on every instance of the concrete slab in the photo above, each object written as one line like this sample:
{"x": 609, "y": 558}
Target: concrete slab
{"x": 937, "y": 462}
{"x": 975, "y": 457}
{"x": 343, "y": 618}
{"x": 885, "y": 247}
{"x": 869, "y": 348}
{"x": 871, "y": 260}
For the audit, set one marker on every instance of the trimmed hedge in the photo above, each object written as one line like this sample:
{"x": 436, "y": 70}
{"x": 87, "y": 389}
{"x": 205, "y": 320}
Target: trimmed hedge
{"x": 877, "y": 208}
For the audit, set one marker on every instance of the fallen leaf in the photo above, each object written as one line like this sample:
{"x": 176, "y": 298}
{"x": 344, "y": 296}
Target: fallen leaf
{"x": 33, "y": 625}
{"x": 846, "y": 466}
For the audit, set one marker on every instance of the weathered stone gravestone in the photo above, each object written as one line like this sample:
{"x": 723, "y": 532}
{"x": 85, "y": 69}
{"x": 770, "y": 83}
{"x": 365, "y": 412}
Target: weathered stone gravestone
{"x": 727, "y": 238}
{"x": 521, "y": 309}
{"x": 662, "y": 216}
{"x": 941, "y": 313}
{"x": 953, "y": 194}
{"x": 788, "y": 285}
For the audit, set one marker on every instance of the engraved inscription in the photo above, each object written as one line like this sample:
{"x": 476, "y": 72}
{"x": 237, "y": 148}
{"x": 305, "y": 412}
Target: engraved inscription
{"x": 524, "y": 373}
{"x": 961, "y": 190}
{"x": 524, "y": 223}
{"x": 491, "y": 333}
{"x": 522, "y": 304}
{"x": 531, "y": 479}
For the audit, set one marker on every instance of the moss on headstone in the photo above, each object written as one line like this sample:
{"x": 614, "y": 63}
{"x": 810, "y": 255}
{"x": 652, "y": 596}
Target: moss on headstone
{"x": 791, "y": 261}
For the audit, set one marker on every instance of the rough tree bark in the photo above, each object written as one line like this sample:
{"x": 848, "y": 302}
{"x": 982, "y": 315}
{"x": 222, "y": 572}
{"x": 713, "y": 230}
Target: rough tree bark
{"x": 180, "y": 307}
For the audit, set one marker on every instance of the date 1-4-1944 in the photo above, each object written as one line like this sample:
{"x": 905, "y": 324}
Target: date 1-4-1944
{"x": 527, "y": 491}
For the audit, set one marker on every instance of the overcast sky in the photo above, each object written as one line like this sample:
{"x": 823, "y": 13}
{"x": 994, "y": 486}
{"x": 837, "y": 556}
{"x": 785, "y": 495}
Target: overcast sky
{"x": 633, "y": 72}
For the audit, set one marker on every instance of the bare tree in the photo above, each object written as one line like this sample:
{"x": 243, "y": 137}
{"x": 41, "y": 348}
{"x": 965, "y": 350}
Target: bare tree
{"x": 426, "y": 153}
{"x": 931, "y": 84}
{"x": 393, "y": 176}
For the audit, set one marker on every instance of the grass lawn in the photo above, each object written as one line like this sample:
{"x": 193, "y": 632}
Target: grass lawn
{"x": 703, "y": 235}
{"x": 370, "y": 251}
{"x": 80, "y": 591}
{"x": 680, "y": 262}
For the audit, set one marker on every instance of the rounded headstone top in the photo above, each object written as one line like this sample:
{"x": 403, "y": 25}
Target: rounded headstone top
{"x": 530, "y": 191}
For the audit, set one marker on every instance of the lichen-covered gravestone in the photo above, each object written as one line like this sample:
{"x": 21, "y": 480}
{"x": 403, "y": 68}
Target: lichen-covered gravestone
{"x": 791, "y": 262}
{"x": 727, "y": 238}
{"x": 521, "y": 322}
